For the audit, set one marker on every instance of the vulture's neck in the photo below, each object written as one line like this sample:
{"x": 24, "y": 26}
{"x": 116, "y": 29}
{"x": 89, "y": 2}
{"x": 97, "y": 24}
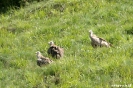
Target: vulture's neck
{"x": 91, "y": 34}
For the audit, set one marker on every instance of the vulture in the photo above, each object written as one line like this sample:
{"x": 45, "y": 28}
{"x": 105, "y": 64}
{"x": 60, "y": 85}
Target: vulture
{"x": 97, "y": 41}
{"x": 41, "y": 60}
{"x": 55, "y": 51}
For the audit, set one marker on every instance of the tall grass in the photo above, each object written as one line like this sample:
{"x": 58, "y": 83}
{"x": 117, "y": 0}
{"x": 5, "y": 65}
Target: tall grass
{"x": 29, "y": 29}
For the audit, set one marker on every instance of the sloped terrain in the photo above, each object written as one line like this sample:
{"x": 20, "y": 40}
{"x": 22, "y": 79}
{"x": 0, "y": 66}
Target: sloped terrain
{"x": 29, "y": 29}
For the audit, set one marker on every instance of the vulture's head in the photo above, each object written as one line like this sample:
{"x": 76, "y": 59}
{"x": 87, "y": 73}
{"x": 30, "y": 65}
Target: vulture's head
{"x": 90, "y": 31}
{"x": 51, "y": 43}
{"x": 38, "y": 53}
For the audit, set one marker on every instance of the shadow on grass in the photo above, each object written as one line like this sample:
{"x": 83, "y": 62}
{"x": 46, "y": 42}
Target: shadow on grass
{"x": 129, "y": 31}
{"x": 6, "y": 7}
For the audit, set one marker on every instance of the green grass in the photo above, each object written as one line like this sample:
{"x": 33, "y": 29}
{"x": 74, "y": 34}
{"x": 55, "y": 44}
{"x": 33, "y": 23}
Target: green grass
{"x": 66, "y": 22}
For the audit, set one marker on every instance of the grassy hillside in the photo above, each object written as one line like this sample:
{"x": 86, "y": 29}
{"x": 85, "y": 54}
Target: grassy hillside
{"x": 29, "y": 29}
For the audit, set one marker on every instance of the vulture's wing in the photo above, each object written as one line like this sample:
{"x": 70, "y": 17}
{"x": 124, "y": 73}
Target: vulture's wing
{"x": 102, "y": 39}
